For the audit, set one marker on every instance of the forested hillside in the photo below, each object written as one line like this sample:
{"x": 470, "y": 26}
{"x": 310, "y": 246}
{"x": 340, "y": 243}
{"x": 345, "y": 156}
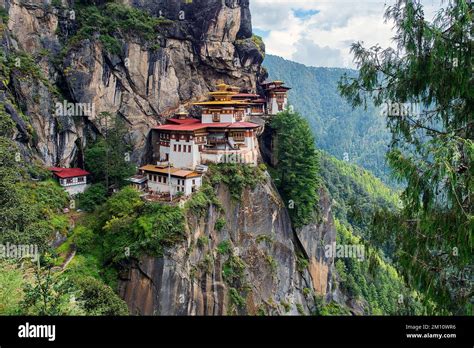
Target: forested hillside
{"x": 356, "y": 192}
{"x": 369, "y": 285}
{"x": 338, "y": 128}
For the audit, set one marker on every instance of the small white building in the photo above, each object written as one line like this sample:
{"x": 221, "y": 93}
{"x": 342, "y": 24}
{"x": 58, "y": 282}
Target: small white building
{"x": 276, "y": 95}
{"x": 139, "y": 182}
{"x": 73, "y": 180}
{"x": 163, "y": 179}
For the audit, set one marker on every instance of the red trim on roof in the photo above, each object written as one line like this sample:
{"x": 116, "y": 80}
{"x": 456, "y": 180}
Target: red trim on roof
{"x": 243, "y": 125}
{"x": 217, "y": 125}
{"x": 181, "y": 127}
{"x": 64, "y": 173}
{"x": 194, "y": 127}
{"x": 232, "y": 125}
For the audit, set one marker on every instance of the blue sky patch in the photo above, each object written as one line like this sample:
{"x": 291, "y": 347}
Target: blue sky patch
{"x": 304, "y": 14}
{"x": 262, "y": 33}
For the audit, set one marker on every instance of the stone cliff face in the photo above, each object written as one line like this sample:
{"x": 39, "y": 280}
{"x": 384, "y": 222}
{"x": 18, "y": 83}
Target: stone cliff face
{"x": 207, "y": 41}
{"x": 193, "y": 278}
{"x": 261, "y": 267}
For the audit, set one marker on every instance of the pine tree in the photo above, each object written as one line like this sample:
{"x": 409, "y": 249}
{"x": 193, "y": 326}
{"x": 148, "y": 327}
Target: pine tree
{"x": 108, "y": 159}
{"x": 298, "y": 166}
{"x": 425, "y": 87}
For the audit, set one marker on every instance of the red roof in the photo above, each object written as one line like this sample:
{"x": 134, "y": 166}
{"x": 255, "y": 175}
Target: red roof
{"x": 64, "y": 173}
{"x": 232, "y": 125}
{"x": 197, "y": 126}
{"x": 181, "y": 127}
{"x": 183, "y": 121}
{"x": 244, "y": 125}
{"x": 217, "y": 124}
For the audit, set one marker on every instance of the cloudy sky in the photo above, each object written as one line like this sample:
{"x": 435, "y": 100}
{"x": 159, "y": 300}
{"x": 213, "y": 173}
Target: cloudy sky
{"x": 319, "y": 33}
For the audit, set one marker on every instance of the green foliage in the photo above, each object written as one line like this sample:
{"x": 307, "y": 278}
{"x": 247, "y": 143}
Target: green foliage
{"x": 271, "y": 262}
{"x": 236, "y": 298}
{"x": 56, "y": 3}
{"x": 233, "y": 270}
{"x": 160, "y": 226}
{"x": 86, "y": 263}
{"x": 236, "y": 177}
{"x": 301, "y": 262}
{"x": 201, "y": 200}
{"x": 224, "y": 248}
{"x": 121, "y": 205}
{"x": 30, "y": 211}
{"x": 48, "y": 195}
{"x": 334, "y": 309}
{"x": 432, "y": 147}
{"x": 28, "y": 290}
{"x": 38, "y": 172}
{"x": 4, "y": 14}
{"x": 94, "y": 196}
{"x": 374, "y": 280}
{"x": 21, "y": 66}
{"x": 112, "y": 21}
{"x": 257, "y": 40}
{"x": 337, "y": 127}
{"x": 300, "y": 309}
{"x": 111, "y": 44}
{"x": 220, "y": 224}
{"x": 264, "y": 238}
{"x": 83, "y": 238}
{"x": 6, "y": 123}
{"x": 203, "y": 241}
{"x": 286, "y": 306}
{"x": 127, "y": 222}
{"x": 98, "y": 298}
{"x": 11, "y": 280}
{"x": 296, "y": 175}
{"x": 24, "y": 64}
{"x": 107, "y": 159}
{"x": 356, "y": 196}
{"x": 48, "y": 294}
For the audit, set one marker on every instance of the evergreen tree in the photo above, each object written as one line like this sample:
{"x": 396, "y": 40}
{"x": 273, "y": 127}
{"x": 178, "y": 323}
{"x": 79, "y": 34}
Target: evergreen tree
{"x": 298, "y": 166}
{"x": 426, "y": 89}
{"x": 108, "y": 159}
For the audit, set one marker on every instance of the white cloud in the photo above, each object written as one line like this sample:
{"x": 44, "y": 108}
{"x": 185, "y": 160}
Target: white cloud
{"x": 310, "y": 53}
{"x": 324, "y": 38}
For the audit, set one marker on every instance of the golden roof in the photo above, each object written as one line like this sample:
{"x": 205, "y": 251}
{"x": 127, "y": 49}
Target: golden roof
{"x": 222, "y": 102}
{"x": 182, "y": 173}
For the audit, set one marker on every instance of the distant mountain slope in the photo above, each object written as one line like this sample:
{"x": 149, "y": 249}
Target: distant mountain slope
{"x": 338, "y": 129}
{"x": 356, "y": 193}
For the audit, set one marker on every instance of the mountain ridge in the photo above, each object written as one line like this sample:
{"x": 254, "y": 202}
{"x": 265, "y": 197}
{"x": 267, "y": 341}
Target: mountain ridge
{"x": 357, "y": 136}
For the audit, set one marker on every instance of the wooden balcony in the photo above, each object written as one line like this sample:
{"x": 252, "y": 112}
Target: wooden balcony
{"x": 216, "y": 141}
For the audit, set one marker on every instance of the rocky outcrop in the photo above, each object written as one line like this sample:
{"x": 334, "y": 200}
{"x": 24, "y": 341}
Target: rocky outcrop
{"x": 252, "y": 265}
{"x": 314, "y": 238}
{"x": 193, "y": 278}
{"x": 205, "y": 42}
